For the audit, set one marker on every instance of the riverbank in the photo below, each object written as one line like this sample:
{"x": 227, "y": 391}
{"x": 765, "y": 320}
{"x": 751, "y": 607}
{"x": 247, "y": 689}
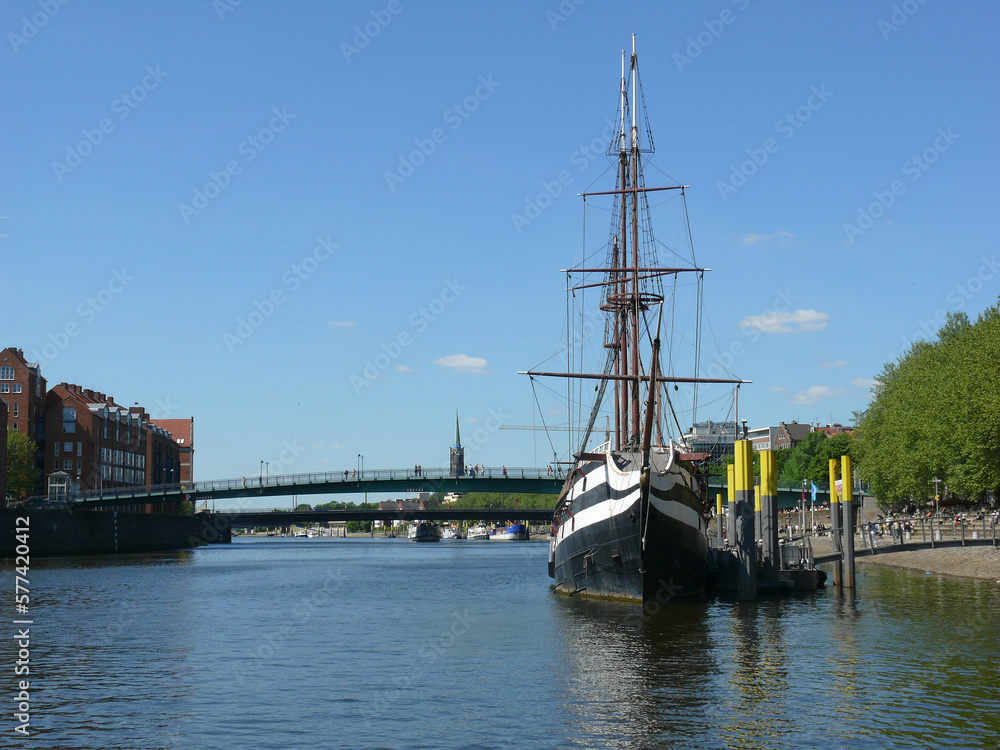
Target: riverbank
{"x": 981, "y": 562}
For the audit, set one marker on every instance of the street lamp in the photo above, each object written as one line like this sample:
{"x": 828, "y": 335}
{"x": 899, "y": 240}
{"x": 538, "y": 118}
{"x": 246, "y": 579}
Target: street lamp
{"x": 937, "y": 497}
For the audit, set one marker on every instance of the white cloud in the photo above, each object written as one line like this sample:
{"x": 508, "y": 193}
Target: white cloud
{"x": 786, "y": 322}
{"x": 778, "y": 389}
{"x": 836, "y": 363}
{"x": 816, "y": 393}
{"x": 338, "y": 446}
{"x": 866, "y": 383}
{"x": 463, "y": 363}
{"x": 344, "y": 323}
{"x": 403, "y": 368}
{"x": 751, "y": 239}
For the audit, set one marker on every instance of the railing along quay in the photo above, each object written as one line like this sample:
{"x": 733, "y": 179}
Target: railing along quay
{"x": 921, "y": 533}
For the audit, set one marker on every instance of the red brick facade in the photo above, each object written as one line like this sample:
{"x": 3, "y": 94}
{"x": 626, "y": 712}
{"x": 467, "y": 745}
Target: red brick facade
{"x": 3, "y": 456}
{"x": 182, "y": 431}
{"x": 103, "y": 445}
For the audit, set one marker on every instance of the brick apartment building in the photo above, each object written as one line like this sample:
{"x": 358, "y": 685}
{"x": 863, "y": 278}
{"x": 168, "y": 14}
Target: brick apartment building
{"x": 3, "y": 456}
{"x": 101, "y": 444}
{"x": 790, "y": 434}
{"x": 22, "y": 388}
{"x": 182, "y": 431}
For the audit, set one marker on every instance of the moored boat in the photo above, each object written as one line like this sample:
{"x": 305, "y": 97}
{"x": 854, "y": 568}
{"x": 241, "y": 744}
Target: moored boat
{"x": 477, "y": 533}
{"x": 515, "y": 532}
{"x": 630, "y": 521}
{"x": 425, "y": 531}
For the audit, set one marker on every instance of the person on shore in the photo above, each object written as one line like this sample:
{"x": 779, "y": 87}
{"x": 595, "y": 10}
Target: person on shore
{"x": 504, "y": 469}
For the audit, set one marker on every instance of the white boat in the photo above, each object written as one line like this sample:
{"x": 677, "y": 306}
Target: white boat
{"x": 478, "y": 533}
{"x": 425, "y": 531}
{"x": 451, "y": 533}
{"x": 515, "y": 532}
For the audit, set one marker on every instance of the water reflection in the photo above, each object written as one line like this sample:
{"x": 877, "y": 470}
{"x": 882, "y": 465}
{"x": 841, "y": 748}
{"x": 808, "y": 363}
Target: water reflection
{"x": 633, "y": 678}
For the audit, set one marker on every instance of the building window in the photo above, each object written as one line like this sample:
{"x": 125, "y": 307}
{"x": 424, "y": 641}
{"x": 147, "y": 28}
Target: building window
{"x": 79, "y": 466}
{"x": 56, "y": 449}
{"x": 4, "y": 387}
{"x": 14, "y": 409}
{"x": 6, "y": 373}
{"x": 17, "y": 387}
{"x": 67, "y": 465}
{"x": 79, "y": 449}
{"x": 68, "y": 449}
{"x": 15, "y": 426}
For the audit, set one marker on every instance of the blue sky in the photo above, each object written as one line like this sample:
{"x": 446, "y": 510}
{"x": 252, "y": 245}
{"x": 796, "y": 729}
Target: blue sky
{"x": 235, "y": 208}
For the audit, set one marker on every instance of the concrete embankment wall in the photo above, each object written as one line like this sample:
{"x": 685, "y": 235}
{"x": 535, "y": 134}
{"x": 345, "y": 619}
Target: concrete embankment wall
{"x": 86, "y": 532}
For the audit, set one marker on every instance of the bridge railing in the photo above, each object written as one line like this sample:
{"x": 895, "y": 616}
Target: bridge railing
{"x": 346, "y": 477}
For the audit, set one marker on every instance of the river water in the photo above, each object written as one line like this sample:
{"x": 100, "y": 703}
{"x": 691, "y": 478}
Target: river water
{"x": 382, "y": 643}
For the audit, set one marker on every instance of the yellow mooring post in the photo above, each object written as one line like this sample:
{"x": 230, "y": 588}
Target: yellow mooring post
{"x": 847, "y": 506}
{"x": 838, "y": 566}
{"x": 719, "y": 518}
{"x": 745, "y": 540}
{"x": 731, "y": 500}
{"x": 769, "y": 511}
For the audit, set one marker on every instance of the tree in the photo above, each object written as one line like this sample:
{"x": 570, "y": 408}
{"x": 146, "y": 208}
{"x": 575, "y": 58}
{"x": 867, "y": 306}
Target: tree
{"x": 22, "y": 473}
{"x": 935, "y": 414}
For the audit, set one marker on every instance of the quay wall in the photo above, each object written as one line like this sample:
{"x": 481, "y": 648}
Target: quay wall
{"x": 55, "y": 533}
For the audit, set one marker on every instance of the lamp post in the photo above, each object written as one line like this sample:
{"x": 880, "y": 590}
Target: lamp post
{"x": 937, "y": 497}
{"x": 361, "y": 471}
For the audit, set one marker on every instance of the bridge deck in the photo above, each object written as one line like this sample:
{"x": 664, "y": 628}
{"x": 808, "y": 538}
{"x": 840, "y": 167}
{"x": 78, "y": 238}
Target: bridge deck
{"x": 491, "y": 479}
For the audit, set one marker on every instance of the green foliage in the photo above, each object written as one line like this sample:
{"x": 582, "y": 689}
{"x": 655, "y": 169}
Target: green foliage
{"x": 935, "y": 413}
{"x": 302, "y": 508}
{"x": 185, "y": 508}
{"x": 524, "y": 501}
{"x": 810, "y": 459}
{"x": 22, "y": 472}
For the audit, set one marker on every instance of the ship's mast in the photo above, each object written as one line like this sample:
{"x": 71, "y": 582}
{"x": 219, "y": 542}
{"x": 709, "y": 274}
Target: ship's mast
{"x": 634, "y": 301}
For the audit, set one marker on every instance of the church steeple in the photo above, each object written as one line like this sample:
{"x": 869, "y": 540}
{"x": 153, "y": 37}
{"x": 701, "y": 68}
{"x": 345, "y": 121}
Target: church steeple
{"x": 457, "y": 457}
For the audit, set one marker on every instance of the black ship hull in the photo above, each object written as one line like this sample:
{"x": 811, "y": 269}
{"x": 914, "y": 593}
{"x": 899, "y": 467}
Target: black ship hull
{"x": 601, "y": 525}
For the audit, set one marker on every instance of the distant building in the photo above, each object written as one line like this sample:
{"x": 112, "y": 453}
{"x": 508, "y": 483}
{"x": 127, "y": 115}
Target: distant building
{"x": 451, "y": 497}
{"x": 22, "y": 387}
{"x": 457, "y": 453}
{"x": 835, "y": 429}
{"x": 791, "y": 434}
{"x": 3, "y": 456}
{"x": 715, "y": 438}
{"x": 762, "y": 438}
{"x": 101, "y": 444}
{"x": 182, "y": 431}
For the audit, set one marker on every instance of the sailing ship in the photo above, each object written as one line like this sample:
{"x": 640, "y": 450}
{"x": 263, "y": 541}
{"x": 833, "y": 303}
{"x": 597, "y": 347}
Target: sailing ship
{"x": 630, "y": 522}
